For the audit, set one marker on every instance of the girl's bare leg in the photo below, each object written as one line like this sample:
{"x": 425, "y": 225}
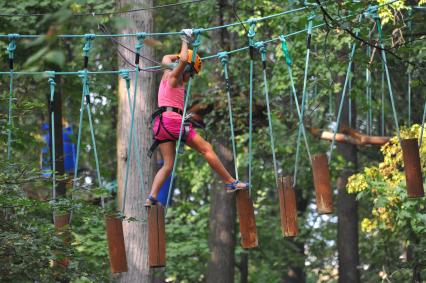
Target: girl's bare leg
{"x": 168, "y": 153}
{"x": 206, "y": 149}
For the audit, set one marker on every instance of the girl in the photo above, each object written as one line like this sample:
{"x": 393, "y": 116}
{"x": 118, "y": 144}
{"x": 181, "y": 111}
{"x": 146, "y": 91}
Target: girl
{"x": 167, "y": 123}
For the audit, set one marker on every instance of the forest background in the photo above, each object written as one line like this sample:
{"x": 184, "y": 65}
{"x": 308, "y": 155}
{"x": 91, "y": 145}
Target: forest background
{"x": 386, "y": 241}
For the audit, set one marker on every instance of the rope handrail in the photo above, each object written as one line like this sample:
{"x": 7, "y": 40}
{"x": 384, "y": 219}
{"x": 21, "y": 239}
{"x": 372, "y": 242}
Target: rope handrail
{"x": 159, "y": 34}
{"x": 209, "y": 57}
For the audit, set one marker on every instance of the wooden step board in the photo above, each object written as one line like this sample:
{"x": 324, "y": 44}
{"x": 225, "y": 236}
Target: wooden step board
{"x": 116, "y": 247}
{"x": 412, "y": 167}
{"x": 156, "y": 236}
{"x": 61, "y": 225}
{"x": 248, "y": 229}
{"x": 288, "y": 207}
{"x": 322, "y": 182}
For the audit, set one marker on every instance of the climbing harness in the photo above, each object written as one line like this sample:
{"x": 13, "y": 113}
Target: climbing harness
{"x": 186, "y": 128}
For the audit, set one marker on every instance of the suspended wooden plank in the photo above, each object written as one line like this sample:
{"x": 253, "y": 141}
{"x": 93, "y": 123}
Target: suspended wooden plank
{"x": 288, "y": 207}
{"x": 324, "y": 195}
{"x": 156, "y": 236}
{"x": 248, "y": 229}
{"x": 116, "y": 247}
{"x": 61, "y": 223}
{"x": 412, "y": 167}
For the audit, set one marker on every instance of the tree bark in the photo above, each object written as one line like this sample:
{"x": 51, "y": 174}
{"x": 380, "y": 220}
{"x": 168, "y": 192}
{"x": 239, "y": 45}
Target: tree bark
{"x": 135, "y": 233}
{"x": 222, "y": 226}
{"x": 221, "y": 265}
{"x": 347, "y": 227}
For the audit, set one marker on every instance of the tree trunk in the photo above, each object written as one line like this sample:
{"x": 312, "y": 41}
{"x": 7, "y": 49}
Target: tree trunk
{"x": 221, "y": 265}
{"x": 222, "y": 226}
{"x": 347, "y": 228}
{"x": 135, "y": 233}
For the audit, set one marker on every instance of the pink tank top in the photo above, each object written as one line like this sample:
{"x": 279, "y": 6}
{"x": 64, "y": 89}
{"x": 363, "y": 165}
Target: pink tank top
{"x": 171, "y": 96}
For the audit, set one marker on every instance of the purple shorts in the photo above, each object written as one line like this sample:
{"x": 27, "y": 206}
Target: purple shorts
{"x": 173, "y": 127}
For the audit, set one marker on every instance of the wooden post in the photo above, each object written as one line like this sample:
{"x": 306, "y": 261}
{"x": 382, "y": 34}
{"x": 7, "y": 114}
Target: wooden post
{"x": 288, "y": 208}
{"x": 248, "y": 229}
{"x": 322, "y": 184}
{"x": 116, "y": 247}
{"x": 156, "y": 236}
{"x": 412, "y": 167}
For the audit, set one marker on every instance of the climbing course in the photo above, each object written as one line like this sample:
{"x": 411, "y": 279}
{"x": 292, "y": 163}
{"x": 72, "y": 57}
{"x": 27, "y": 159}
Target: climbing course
{"x": 257, "y": 48}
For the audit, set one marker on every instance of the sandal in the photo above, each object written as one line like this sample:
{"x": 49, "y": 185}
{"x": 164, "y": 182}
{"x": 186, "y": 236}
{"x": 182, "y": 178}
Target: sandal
{"x": 232, "y": 187}
{"x": 152, "y": 200}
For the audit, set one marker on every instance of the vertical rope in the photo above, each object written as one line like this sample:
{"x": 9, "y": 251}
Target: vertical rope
{"x": 251, "y": 35}
{"x": 196, "y": 45}
{"x": 10, "y": 50}
{"x": 52, "y": 132}
{"x": 304, "y": 93}
{"x": 223, "y": 56}
{"x": 262, "y": 49}
{"x": 132, "y": 135}
{"x": 382, "y": 91}
{"x": 379, "y": 29}
{"x": 289, "y": 63}
{"x": 410, "y": 11}
{"x": 342, "y": 100}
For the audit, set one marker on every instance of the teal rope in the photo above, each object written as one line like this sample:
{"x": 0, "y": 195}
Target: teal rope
{"x": 158, "y": 34}
{"x": 296, "y": 101}
{"x": 132, "y": 136}
{"x": 304, "y": 93}
{"x": 10, "y": 50}
{"x": 52, "y": 138}
{"x": 262, "y": 49}
{"x": 250, "y": 36}
{"x": 92, "y": 133}
{"x": 223, "y": 56}
{"x": 342, "y": 100}
{"x": 410, "y": 13}
{"x": 195, "y": 45}
{"x": 379, "y": 28}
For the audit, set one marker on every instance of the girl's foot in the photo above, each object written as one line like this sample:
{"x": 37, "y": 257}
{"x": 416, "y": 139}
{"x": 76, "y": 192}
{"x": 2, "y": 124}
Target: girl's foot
{"x": 150, "y": 201}
{"x": 235, "y": 186}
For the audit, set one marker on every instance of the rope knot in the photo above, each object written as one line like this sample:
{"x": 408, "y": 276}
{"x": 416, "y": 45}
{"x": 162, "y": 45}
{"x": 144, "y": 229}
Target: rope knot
{"x": 12, "y": 44}
{"x": 51, "y": 75}
{"x": 88, "y": 43}
{"x": 251, "y": 33}
{"x": 372, "y": 11}
{"x": 223, "y": 56}
{"x": 284, "y": 47}
{"x": 125, "y": 75}
{"x": 197, "y": 41}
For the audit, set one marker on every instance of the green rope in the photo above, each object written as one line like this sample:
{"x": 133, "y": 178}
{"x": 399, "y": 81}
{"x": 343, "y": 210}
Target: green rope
{"x": 132, "y": 135}
{"x": 52, "y": 134}
{"x": 250, "y": 35}
{"x": 304, "y": 93}
{"x": 10, "y": 50}
{"x": 261, "y": 47}
{"x": 196, "y": 45}
{"x": 223, "y": 56}
{"x": 289, "y": 63}
{"x": 379, "y": 29}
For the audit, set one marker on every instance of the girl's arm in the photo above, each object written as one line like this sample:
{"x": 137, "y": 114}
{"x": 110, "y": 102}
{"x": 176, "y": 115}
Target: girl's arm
{"x": 174, "y": 74}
